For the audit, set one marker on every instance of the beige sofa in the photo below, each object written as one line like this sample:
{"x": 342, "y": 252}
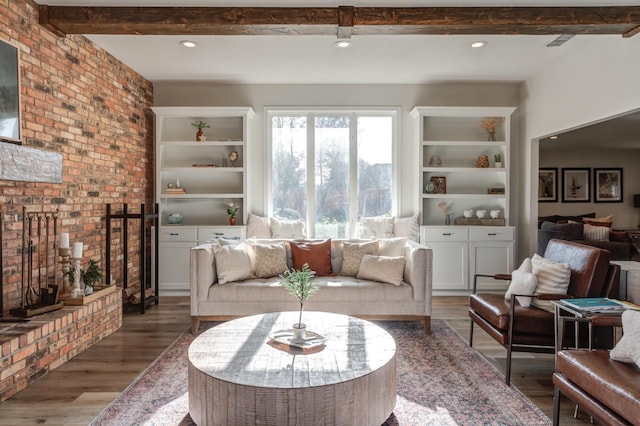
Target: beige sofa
{"x": 411, "y": 300}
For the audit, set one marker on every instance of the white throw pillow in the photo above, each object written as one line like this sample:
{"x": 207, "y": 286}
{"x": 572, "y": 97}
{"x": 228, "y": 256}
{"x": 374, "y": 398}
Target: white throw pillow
{"x": 268, "y": 260}
{"x": 553, "y": 278}
{"x": 232, "y": 263}
{"x": 407, "y": 227}
{"x": 376, "y": 227}
{"x": 522, "y": 282}
{"x": 352, "y": 254}
{"x": 258, "y": 226}
{"x": 382, "y": 268}
{"x": 596, "y": 233}
{"x": 391, "y": 247}
{"x": 287, "y": 229}
{"x": 628, "y": 348}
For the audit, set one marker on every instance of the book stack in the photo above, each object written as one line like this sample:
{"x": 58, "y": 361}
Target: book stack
{"x": 599, "y": 305}
{"x": 175, "y": 191}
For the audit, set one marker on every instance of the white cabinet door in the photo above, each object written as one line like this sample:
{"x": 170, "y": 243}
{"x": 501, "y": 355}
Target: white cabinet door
{"x": 173, "y": 268}
{"x": 490, "y": 258}
{"x": 450, "y": 265}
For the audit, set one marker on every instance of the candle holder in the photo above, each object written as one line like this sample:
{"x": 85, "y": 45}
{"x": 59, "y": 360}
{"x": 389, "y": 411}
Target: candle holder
{"x": 65, "y": 261}
{"x": 77, "y": 290}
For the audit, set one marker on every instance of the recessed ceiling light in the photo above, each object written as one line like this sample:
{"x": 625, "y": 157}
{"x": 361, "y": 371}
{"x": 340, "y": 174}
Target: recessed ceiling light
{"x": 479, "y": 44}
{"x": 188, "y": 43}
{"x": 342, "y": 44}
{"x": 554, "y": 137}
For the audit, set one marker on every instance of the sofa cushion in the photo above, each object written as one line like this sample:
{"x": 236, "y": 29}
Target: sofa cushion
{"x": 619, "y": 236}
{"x": 392, "y": 247}
{"x": 232, "y": 262}
{"x": 385, "y": 269}
{"x": 316, "y": 254}
{"x": 258, "y": 226}
{"x": 268, "y": 260}
{"x": 628, "y": 348}
{"x": 352, "y": 254}
{"x": 565, "y": 231}
{"x": 553, "y": 278}
{"x": 407, "y": 227}
{"x": 522, "y": 282}
{"x": 287, "y": 228}
{"x": 376, "y": 227}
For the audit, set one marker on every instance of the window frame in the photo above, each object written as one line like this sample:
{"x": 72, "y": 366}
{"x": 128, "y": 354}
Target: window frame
{"x": 353, "y": 113}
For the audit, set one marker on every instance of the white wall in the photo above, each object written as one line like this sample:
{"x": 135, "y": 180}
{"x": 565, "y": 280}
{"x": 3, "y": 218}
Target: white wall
{"x": 404, "y": 96}
{"x": 596, "y": 82}
{"x": 625, "y": 216}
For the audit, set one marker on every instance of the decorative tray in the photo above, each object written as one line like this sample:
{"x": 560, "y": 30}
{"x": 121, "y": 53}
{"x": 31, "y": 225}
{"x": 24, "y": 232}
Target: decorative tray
{"x": 311, "y": 339}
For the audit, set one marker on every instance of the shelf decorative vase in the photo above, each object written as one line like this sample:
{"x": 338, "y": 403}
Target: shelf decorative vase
{"x": 447, "y": 219}
{"x": 199, "y": 134}
{"x": 492, "y": 136}
{"x": 232, "y": 221}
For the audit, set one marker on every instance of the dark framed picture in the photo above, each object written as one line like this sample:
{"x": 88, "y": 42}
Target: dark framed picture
{"x": 607, "y": 186}
{"x": 440, "y": 184}
{"x": 548, "y": 184}
{"x": 576, "y": 184}
{"x": 9, "y": 94}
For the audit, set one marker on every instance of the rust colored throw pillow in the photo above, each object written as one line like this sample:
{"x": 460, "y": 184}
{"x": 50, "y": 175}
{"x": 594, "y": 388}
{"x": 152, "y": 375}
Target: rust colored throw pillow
{"x": 317, "y": 254}
{"x": 619, "y": 236}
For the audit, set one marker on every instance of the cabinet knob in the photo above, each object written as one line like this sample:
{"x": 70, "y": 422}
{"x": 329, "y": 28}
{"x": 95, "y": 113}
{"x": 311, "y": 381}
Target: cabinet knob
{"x": 219, "y": 233}
{"x": 446, "y": 234}
{"x": 173, "y": 234}
{"x": 492, "y": 234}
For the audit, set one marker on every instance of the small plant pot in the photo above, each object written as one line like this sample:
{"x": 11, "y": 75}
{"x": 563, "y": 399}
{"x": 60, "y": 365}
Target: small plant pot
{"x": 299, "y": 331}
{"x": 498, "y": 164}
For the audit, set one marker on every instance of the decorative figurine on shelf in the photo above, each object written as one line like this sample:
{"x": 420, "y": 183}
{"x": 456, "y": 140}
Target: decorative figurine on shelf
{"x": 232, "y": 209}
{"x": 233, "y": 157}
{"x": 482, "y": 162}
{"x": 200, "y": 125}
{"x": 490, "y": 124}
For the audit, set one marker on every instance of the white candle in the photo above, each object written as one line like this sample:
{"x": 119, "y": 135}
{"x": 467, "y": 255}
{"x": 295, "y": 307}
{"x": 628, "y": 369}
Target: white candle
{"x": 77, "y": 250}
{"x": 64, "y": 240}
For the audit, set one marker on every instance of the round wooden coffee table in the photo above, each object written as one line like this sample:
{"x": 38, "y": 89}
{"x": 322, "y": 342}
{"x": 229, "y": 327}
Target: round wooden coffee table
{"x": 237, "y": 375}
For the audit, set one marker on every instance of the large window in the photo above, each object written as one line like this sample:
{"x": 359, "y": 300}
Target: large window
{"x": 329, "y": 169}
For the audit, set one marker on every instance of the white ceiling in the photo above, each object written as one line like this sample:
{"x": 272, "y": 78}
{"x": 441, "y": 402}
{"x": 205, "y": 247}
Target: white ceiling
{"x": 395, "y": 59}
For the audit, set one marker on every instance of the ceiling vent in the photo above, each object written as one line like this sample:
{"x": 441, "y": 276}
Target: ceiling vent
{"x": 561, "y": 40}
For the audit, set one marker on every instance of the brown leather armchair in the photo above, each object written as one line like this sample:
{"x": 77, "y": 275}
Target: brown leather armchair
{"x": 520, "y": 329}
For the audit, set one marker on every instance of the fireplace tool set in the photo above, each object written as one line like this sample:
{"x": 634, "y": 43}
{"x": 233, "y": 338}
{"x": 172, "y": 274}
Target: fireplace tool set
{"x": 39, "y": 264}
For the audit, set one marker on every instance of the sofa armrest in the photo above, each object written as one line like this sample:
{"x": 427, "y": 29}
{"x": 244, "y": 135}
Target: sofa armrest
{"x": 202, "y": 274}
{"x": 418, "y": 270}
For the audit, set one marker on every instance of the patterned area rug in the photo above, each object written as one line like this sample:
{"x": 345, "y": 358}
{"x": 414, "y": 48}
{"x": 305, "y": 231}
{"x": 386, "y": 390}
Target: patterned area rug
{"x": 441, "y": 381}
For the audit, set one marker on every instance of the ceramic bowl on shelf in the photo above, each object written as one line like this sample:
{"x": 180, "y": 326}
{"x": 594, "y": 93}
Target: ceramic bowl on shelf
{"x": 480, "y": 214}
{"x": 175, "y": 218}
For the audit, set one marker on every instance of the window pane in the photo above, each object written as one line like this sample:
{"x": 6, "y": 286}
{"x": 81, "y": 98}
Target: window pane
{"x": 289, "y": 167}
{"x": 374, "y": 166}
{"x": 332, "y": 177}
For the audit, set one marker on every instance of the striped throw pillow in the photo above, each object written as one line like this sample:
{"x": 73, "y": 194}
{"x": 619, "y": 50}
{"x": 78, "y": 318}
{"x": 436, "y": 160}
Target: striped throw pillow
{"x": 553, "y": 278}
{"x": 596, "y": 233}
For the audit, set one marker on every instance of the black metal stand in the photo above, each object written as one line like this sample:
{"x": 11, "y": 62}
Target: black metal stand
{"x": 125, "y": 216}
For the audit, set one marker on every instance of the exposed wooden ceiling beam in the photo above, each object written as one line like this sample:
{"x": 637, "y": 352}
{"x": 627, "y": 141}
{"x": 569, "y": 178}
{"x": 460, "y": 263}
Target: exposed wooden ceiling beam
{"x": 342, "y": 21}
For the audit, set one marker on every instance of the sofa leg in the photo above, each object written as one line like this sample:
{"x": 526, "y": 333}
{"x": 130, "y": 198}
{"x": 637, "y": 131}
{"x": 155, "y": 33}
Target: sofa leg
{"x": 556, "y": 406}
{"x": 427, "y": 325}
{"x": 195, "y": 325}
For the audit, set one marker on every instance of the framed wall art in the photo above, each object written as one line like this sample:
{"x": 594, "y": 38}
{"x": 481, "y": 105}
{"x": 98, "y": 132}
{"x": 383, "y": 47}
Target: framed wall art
{"x": 607, "y": 187}
{"x": 576, "y": 184}
{"x": 548, "y": 184}
{"x": 9, "y": 94}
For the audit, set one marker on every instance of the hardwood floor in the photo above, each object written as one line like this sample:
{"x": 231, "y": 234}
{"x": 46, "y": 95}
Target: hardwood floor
{"x": 78, "y": 390}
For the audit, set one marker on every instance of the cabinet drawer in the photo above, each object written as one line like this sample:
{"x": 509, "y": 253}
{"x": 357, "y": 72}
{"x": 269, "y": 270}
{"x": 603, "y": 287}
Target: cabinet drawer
{"x": 491, "y": 233}
{"x": 206, "y": 234}
{"x": 445, "y": 233}
{"x": 177, "y": 234}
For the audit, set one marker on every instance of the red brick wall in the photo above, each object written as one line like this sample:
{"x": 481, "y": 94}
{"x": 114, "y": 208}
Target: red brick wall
{"x": 80, "y": 101}
{"x": 30, "y": 350}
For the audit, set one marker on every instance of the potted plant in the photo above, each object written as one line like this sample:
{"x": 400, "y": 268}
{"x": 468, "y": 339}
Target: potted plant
{"x": 299, "y": 283}
{"x": 200, "y": 125}
{"x": 91, "y": 276}
{"x": 232, "y": 209}
{"x": 498, "y": 160}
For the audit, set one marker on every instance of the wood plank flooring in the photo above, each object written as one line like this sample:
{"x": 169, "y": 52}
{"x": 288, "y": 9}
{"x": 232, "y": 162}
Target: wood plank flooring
{"x": 77, "y": 391}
